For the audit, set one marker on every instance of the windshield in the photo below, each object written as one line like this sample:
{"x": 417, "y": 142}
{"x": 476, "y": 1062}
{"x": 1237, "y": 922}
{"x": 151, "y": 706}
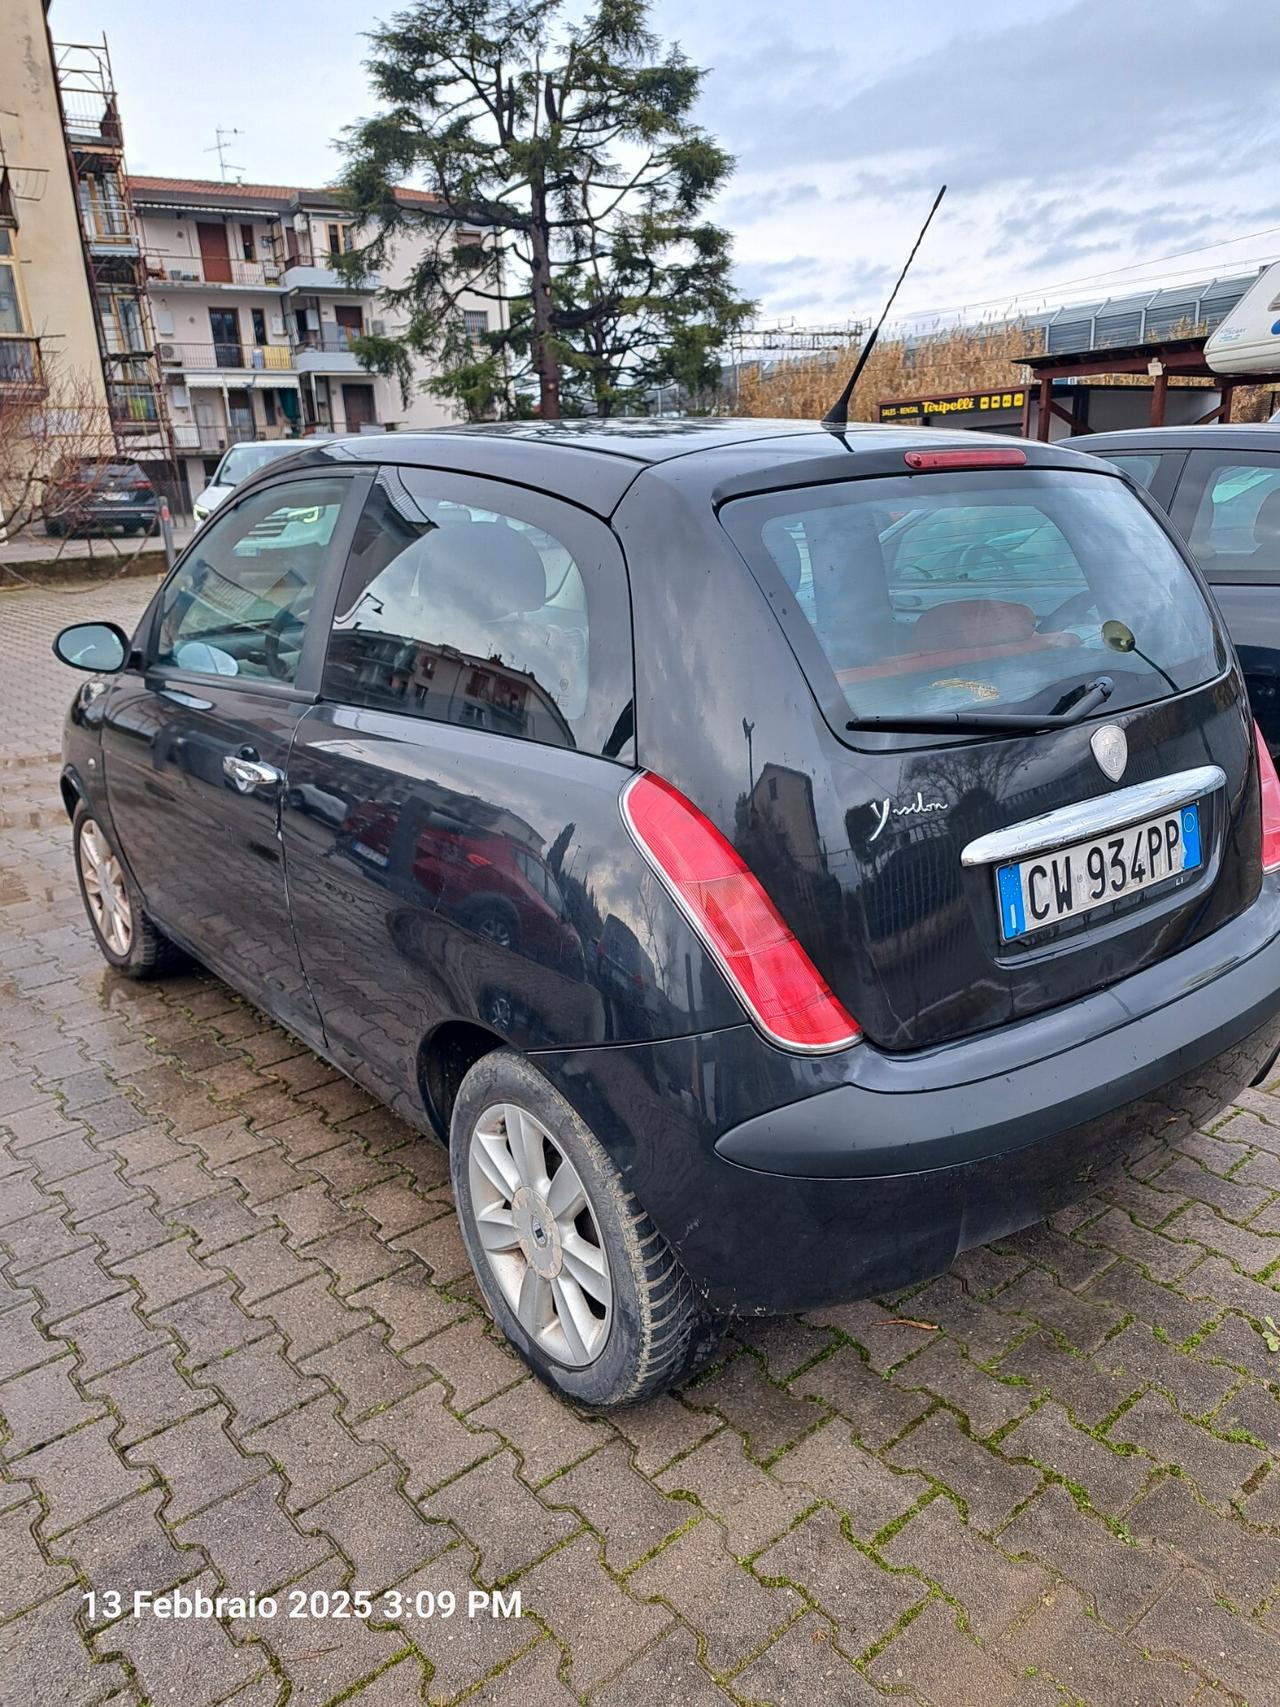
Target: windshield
{"x": 243, "y": 460}
{"x": 979, "y": 591}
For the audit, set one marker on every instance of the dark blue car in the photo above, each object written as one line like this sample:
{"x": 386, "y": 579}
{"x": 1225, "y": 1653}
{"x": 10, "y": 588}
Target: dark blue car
{"x": 773, "y": 859}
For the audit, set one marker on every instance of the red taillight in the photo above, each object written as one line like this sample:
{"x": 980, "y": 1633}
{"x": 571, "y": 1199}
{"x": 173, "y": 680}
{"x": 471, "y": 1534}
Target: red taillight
{"x": 966, "y": 458}
{"x": 1270, "y": 804}
{"x": 778, "y": 984}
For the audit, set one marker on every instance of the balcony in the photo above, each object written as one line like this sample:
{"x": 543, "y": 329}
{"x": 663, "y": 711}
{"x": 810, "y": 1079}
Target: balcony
{"x": 329, "y": 352}
{"x": 134, "y": 405}
{"x": 20, "y": 362}
{"x": 190, "y": 271}
{"x": 309, "y": 268}
{"x": 203, "y": 358}
{"x": 108, "y": 228}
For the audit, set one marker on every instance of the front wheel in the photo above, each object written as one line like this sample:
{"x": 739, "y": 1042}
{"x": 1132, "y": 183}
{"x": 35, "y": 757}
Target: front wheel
{"x": 124, "y": 932}
{"x": 575, "y": 1273}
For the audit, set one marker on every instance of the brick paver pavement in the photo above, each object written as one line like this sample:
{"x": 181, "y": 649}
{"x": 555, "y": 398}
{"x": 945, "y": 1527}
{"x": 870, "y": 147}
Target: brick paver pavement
{"x": 235, "y": 1358}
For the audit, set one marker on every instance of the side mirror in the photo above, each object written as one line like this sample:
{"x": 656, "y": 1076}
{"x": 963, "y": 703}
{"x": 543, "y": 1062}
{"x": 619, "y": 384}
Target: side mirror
{"x": 97, "y": 646}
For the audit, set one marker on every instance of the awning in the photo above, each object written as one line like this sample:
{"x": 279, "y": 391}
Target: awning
{"x": 235, "y": 379}
{"x": 274, "y": 381}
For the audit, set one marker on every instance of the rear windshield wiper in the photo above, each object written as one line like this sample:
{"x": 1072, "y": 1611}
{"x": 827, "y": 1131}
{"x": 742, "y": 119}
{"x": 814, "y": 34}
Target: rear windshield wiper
{"x": 953, "y": 722}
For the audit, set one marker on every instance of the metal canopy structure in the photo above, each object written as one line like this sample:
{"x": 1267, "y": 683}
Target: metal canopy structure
{"x": 1161, "y": 358}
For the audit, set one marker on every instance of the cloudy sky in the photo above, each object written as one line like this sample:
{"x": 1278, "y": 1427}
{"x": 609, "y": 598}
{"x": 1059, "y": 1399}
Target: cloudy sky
{"x": 1088, "y": 145}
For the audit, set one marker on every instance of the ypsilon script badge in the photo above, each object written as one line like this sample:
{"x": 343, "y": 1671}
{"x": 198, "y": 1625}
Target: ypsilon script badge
{"x": 1111, "y": 750}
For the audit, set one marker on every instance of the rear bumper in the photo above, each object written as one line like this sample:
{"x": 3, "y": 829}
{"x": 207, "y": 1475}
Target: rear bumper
{"x": 787, "y": 1184}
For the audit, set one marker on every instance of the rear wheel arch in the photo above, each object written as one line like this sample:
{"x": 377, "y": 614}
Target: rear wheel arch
{"x": 445, "y": 1056}
{"x": 71, "y": 791}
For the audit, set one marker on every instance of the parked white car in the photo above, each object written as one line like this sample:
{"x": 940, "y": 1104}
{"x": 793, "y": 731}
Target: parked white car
{"x": 238, "y": 464}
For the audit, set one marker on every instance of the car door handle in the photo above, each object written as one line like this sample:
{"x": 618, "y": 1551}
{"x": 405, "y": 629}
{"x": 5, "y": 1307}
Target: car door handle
{"x": 248, "y": 774}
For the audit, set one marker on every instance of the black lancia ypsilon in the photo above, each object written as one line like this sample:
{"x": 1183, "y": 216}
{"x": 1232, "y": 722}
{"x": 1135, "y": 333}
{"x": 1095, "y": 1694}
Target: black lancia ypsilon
{"x": 774, "y": 859}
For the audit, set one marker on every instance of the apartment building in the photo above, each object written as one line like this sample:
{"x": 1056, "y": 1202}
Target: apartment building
{"x": 253, "y": 323}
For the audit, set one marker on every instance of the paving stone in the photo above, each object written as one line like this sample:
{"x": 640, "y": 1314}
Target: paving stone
{"x": 749, "y": 1503}
{"x": 1161, "y": 1257}
{"x": 427, "y": 1438}
{"x": 785, "y": 1343}
{"x": 149, "y": 1394}
{"x": 829, "y": 1465}
{"x": 943, "y": 1371}
{"x": 1074, "y": 1381}
{"x": 629, "y": 1513}
{"x": 992, "y": 1588}
{"x": 166, "y": 1274}
{"x": 192, "y": 1660}
{"x": 1218, "y": 1467}
{"x": 1089, "y": 1661}
{"x": 310, "y": 1317}
{"x": 110, "y": 1333}
{"x": 130, "y": 1547}
{"x": 43, "y": 1661}
{"x": 209, "y": 1325}
{"x": 1072, "y": 1264}
{"x": 1233, "y": 1197}
{"x": 198, "y": 1461}
{"x": 668, "y": 1672}
{"x": 410, "y": 1306}
{"x": 42, "y": 1236}
{"x": 315, "y": 1451}
{"x": 703, "y": 1582}
{"x": 545, "y": 1433}
{"x": 71, "y": 1283}
{"x": 1111, "y": 1479}
{"x": 216, "y": 1222}
{"x": 41, "y": 1405}
{"x": 258, "y": 1383}
{"x": 767, "y": 1416}
{"x": 1196, "y": 1385}
{"x": 492, "y": 1509}
{"x": 1242, "y": 1565}
{"x": 1173, "y": 1312}
{"x": 1251, "y": 1251}
{"x": 251, "y": 1540}
{"x": 884, "y": 1338}
{"x": 97, "y": 1189}
{"x": 1230, "y": 1649}
{"x": 660, "y": 1430}
{"x": 877, "y": 1408}
{"x": 461, "y": 1649}
{"x": 470, "y": 1363}
{"x": 309, "y": 1212}
{"x": 26, "y": 1575}
{"x": 988, "y": 1484}
{"x": 944, "y": 1667}
{"x": 1216, "y": 1282}
{"x": 365, "y": 1375}
{"x": 379, "y": 1530}
{"x": 81, "y": 1474}
{"x": 1240, "y": 1345}
{"x": 983, "y": 1331}
{"x": 1120, "y": 1578}
{"x": 438, "y": 1244}
{"x": 264, "y": 1266}
{"x": 1083, "y": 1321}
{"x": 396, "y": 1207}
{"x": 803, "y": 1666}
{"x": 263, "y": 1175}
{"x": 532, "y": 1681}
{"x": 864, "y": 1599}
{"x": 602, "y": 1627}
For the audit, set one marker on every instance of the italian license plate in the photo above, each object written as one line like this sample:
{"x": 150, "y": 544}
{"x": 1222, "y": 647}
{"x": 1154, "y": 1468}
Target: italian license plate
{"x": 1037, "y": 892}
{"x": 115, "y": 497}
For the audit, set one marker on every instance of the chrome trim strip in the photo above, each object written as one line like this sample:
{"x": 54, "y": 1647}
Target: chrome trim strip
{"x": 1088, "y": 818}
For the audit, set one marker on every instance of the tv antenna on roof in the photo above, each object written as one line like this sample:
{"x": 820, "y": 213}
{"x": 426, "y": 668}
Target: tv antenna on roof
{"x": 838, "y": 414}
{"x": 220, "y": 149}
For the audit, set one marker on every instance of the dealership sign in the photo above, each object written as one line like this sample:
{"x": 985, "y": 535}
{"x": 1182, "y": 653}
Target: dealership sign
{"x": 965, "y": 403}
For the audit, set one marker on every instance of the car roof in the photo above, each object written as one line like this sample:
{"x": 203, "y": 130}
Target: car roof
{"x": 1233, "y": 435}
{"x": 592, "y": 462}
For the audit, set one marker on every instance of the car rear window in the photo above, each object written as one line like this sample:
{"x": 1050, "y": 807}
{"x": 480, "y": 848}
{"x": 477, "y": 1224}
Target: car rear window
{"x": 243, "y": 460}
{"x": 963, "y": 591}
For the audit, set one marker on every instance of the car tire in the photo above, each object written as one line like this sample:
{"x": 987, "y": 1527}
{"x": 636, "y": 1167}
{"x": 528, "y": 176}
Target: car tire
{"x": 126, "y": 935}
{"x": 644, "y": 1328}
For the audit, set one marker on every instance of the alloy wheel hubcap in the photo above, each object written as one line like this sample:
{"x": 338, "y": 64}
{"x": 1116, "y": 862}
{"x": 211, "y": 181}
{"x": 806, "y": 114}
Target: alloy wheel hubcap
{"x": 105, "y": 887}
{"x": 539, "y": 1234}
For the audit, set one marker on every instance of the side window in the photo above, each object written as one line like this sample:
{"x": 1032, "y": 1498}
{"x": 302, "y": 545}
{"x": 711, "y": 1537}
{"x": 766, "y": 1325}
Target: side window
{"x": 1139, "y": 466}
{"x": 467, "y": 602}
{"x": 238, "y": 605}
{"x": 1236, "y": 525}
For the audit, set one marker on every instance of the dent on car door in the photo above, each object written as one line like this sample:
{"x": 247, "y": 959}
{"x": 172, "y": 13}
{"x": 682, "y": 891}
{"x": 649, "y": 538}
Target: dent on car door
{"x": 1228, "y": 508}
{"x": 452, "y": 824}
{"x": 196, "y": 741}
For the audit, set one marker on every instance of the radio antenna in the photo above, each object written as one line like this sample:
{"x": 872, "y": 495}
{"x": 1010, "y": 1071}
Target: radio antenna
{"x": 838, "y": 414}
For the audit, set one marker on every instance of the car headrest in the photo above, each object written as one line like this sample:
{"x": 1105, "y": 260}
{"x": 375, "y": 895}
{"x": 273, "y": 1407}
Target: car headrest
{"x": 785, "y": 552}
{"x": 489, "y": 569}
{"x": 1266, "y": 524}
{"x": 972, "y": 622}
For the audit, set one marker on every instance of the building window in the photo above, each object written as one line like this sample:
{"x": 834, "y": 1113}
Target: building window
{"x": 341, "y": 237}
{"x": 10, "y": 304}
{"x": 246, "y": 241}
{"x": 269, "y": 407}
{"x": 475, "y": 320}
{"x": 259, "y": 323}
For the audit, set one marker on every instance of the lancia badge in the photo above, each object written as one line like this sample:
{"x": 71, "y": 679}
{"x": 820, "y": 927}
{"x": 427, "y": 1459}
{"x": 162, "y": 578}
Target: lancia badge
{"x": 1111, "y": 750}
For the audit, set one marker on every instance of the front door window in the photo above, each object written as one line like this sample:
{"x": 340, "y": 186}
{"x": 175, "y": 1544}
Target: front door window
{"x": 238, "y": 604}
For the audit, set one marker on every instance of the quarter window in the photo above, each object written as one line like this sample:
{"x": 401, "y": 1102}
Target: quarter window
{"x": 1140, "y": 467}
{"x": 238, "y": 605}
{"x": 474, "y": 611}
{"x": 1237, "y": 523}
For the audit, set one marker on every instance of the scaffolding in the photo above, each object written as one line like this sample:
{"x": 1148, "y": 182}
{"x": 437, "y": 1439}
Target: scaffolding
{"x": 111, "y": 239}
